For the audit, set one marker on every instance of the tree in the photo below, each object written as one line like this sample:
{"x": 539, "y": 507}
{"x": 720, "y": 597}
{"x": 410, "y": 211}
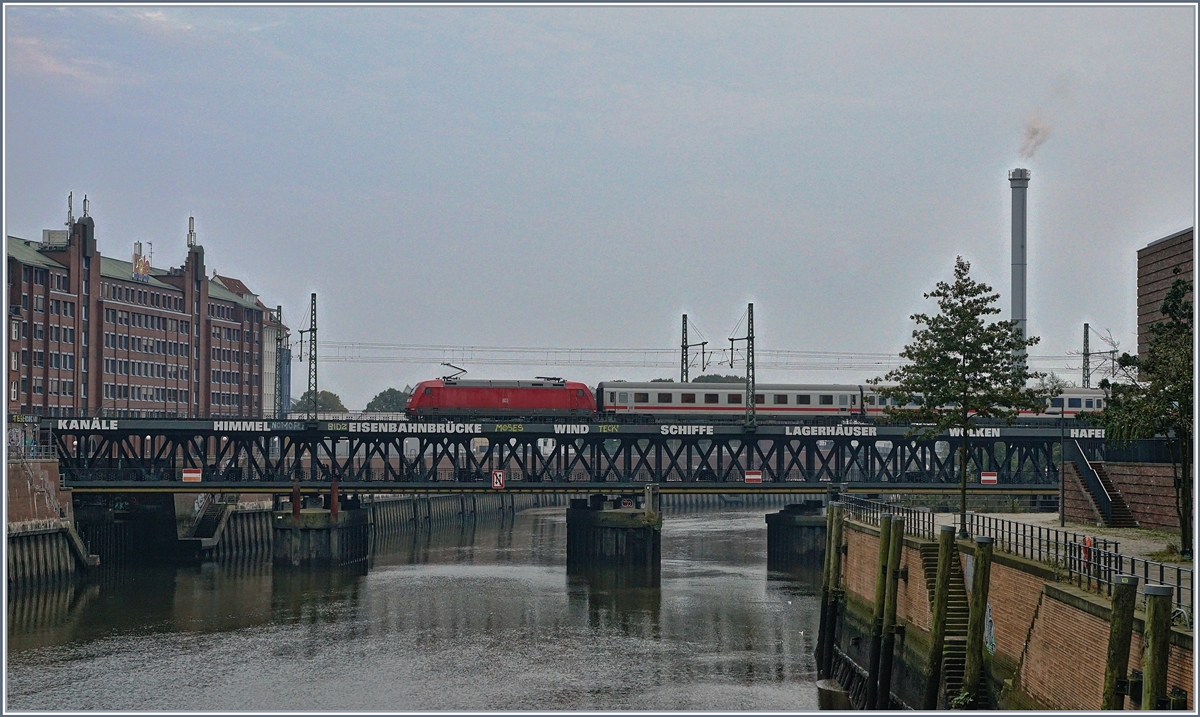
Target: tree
{"x": 388, "y": 400}
{"x": 718, "y": 378}
{"x": 1156, "y": 398}
{"x": 962, "y": 369}
{"x": 327, "y": 402}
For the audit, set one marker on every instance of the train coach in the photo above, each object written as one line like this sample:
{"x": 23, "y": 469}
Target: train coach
{"x": 660, "y": 400}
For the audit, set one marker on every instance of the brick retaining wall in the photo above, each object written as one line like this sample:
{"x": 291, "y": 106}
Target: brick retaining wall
{"x": 33, "y": 492}
{"x": 1149, "y": 490}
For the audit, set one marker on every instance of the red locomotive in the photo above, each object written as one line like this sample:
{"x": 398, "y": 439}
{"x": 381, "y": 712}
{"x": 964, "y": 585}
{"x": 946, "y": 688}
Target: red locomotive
{"x": 509, "y": 399}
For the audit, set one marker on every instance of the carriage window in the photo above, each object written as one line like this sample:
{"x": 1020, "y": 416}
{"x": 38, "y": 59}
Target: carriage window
{"x": 870, "y": 400}
{"x": 1087, "y": 403}
{"x": 759, "y": 399}
{"x": 579, "y": 392}
{"x": 826, "y": 400}
{"x": 804, "y": 399}
{"x": 853, "y": 400}
{"x": 664, "y": 398}
{"x": 687, "y": 398}
{"x": 641, "y": 398}
{"x": 1056, "y": 403}
{"x": 842, "y": 399}
{"x": 781, "y": 399}
{"x": 623, "y": 397}
{"x": 612, "y": 397}
{"x": 734, "y": 398}
{"x": 712, "y": 398}
{"x": 428, "y": 391}
{"x": 1074, "y": 403}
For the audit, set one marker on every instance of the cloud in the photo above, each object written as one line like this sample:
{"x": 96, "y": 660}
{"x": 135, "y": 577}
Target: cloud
{"x": 30, "y": 57}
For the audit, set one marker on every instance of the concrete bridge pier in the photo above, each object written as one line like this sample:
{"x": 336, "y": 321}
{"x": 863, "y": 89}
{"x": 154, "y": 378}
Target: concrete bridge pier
{"x": 624, "y": 529}
{"x": 796, "y": 537}
{"x": 321, "y": 537}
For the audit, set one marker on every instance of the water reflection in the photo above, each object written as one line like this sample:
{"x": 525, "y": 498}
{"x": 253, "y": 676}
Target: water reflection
{"x": 624, "y": 597}
{"x": 477, "y": 615}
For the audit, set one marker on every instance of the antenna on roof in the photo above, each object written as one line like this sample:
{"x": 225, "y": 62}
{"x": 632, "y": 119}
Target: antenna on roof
{"x": 453, "y": 376}
{"x": 70, "y": 210}
{"x": 191, "y": 240}
{"x": 85, "y": 205}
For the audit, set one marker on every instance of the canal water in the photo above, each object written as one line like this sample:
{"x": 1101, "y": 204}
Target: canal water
{"x": 479, "y": 616}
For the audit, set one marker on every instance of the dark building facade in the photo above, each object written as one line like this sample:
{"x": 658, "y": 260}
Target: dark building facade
{"x": 96, "y": 336}
{"x": 1159, "y": 265}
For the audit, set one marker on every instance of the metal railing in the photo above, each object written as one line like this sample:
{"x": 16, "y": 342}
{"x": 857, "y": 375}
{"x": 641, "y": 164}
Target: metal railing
{"x": 1089, "y": 562}
{"x": 917, "y": 522}
{"x": 1073, "y": 452}
{"x": 1151, "y": 450}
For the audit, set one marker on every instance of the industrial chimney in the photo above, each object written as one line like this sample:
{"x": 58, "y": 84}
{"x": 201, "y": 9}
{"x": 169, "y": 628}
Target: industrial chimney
{"x": 1019, "y": 179}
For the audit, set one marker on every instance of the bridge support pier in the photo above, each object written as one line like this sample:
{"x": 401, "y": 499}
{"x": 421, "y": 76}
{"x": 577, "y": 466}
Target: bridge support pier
{"x": 623, "y": 530}
{"x": 796, "y": 537}
{"x": 319, "y": 537}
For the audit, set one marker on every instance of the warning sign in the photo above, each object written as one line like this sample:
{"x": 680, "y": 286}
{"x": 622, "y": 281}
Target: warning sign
{"x": 498, "y": 480}
{"x": 191, "y": 475}
{"x": 754, "y": 476}
{"x": 987, "y": 477}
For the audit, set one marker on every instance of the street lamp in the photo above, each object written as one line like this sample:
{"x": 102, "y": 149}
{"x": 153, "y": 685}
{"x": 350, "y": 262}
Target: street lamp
{"x": 1062, "y": 458}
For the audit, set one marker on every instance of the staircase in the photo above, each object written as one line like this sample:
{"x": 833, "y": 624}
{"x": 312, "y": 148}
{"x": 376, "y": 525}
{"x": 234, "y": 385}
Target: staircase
{"x": 206, "y": 527}
{"x": 954, "y": 653}
{"x": 1122, "y": 517}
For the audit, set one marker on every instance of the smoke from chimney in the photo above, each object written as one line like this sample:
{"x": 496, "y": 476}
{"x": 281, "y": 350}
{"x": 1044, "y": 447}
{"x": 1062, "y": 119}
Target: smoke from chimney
{"x": 1037, "y": 131}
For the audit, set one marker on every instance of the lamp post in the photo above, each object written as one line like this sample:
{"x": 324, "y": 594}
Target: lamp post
{"x": 1062, "y": 459}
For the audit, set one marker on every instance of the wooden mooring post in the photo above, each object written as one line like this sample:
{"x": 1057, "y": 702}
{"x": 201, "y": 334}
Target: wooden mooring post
{"x": 826, "y": 591}
{"x": 835, "y": 573}
{"x": 1120, "y": 633}
{"x": 883, "y": 699}
{"x": 980, "y": 581}
{"x": 1158, "y": 646}
{"x": 947, "y": 551}
{"x": 885, "y": 532}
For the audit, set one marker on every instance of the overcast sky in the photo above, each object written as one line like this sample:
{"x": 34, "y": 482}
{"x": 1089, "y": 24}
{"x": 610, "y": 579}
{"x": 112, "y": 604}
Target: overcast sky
{"x": 579, "y": 177}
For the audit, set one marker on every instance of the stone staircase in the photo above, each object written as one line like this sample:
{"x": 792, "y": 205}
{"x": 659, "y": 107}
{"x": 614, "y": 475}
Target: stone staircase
{"x": 1122, "y": 517}
{"x": 954, "y": 654}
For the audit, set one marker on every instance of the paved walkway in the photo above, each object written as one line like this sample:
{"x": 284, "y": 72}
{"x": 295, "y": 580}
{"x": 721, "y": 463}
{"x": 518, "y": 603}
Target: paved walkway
{"x": 1134, "y": 542}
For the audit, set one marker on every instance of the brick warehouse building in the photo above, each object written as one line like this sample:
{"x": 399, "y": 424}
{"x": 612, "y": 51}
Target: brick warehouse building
{"x": 1156, "y": 265}
{"x": 95, "y": 336}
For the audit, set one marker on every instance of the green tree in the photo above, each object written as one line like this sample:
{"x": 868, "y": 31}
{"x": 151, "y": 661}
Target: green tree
{"x": 327, "y": 402}
{"x": 718, "y": 378}
{"x": 961, "y": 368}
{"x": 389, "y": 400}
{"x": 1156, "y": 398}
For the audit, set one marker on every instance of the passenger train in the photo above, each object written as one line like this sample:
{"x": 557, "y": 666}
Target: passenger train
{"x": 657, "y": 400}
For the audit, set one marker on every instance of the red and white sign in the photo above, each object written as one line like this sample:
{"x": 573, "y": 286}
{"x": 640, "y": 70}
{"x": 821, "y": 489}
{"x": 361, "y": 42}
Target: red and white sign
{"x": 626, "y": 502}
{"x": 191, "y": 475}
{"x": 987, "y": 477}
{"x": 754, "y": 476}
{"x": 498, "y": 479}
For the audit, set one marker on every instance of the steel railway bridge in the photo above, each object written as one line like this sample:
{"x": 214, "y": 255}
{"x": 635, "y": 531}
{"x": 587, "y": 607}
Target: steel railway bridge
{"x": 467, "y": 455}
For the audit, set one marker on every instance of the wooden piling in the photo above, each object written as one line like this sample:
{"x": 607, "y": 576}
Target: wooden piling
{"x": 883, "y": 699}
{"x": 885, "y": 532}
{"x": 947, "y": 551}
{"x": 823, "y": 631}
{"x": 1158, "y": 645}
{"x": 1120, "y": 633}
{"x": 975, "y": 622}
{"x": 835, "y": 572}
